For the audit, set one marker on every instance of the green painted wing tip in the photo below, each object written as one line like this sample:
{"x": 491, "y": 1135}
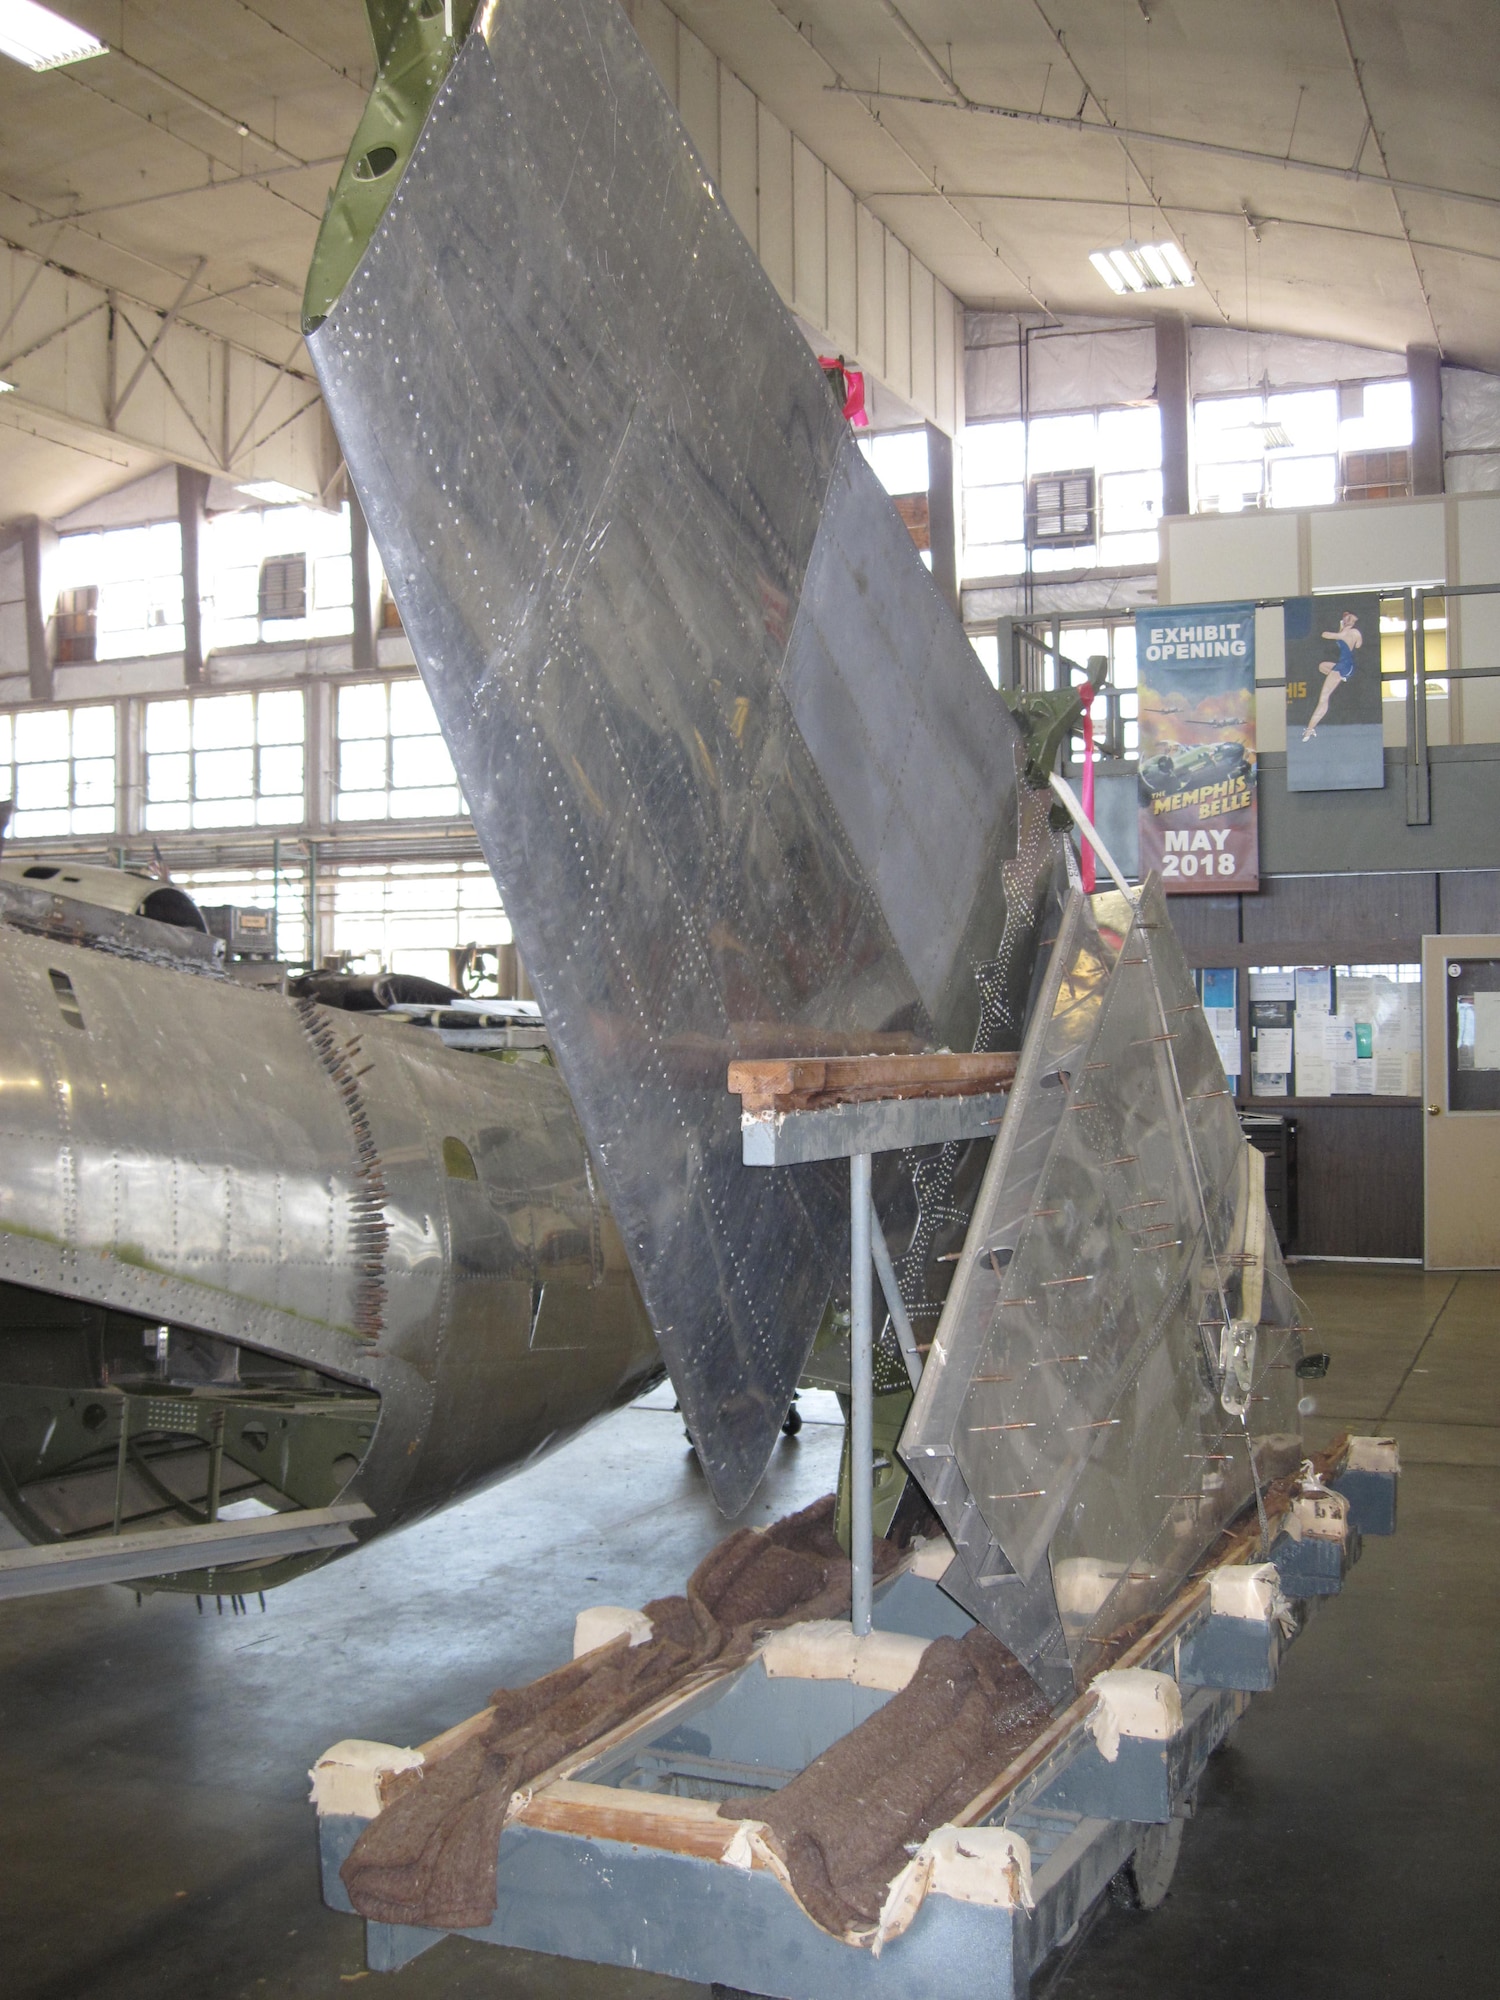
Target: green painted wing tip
{"x": 414, "y": 53}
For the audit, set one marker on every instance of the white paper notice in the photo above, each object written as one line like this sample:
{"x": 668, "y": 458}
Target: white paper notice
{"x": 1314, "y": 1072}
{"x": 1273, "y": 986}
{"x": 1339, "y": 1045}
{"x": 1487, "y": 1031}
{"x": 1273, "y": 1052}
{"x": 1313, "y": 989}
{"x": 1411, "y": 1036}
{"x": 1228, "y": 1046}
{"x": 1390, "y": 1073}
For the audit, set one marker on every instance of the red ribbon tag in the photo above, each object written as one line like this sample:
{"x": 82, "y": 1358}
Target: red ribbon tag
{"x": 854, "y": 387}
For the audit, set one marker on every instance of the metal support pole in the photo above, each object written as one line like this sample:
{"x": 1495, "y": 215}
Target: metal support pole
{"x": 120, "y": 1463}
{"x": 861, "y": 1395}
{"x": 1419, "y": 808}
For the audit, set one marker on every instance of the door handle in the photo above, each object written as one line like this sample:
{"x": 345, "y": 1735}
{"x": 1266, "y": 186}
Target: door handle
{"x": 1433, "y": 1110}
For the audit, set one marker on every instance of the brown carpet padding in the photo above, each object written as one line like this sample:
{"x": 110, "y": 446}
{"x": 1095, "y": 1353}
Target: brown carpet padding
{"x": 845, "y": 1825}
{"x": 430, "y": 1857}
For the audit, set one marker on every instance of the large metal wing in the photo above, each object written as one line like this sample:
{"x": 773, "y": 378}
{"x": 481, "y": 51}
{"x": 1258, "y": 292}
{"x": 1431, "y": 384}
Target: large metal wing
{"x": 738, "y": 773}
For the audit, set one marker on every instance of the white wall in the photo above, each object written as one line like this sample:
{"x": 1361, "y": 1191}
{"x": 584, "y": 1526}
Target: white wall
{"x": 834, "y": 262}
{"x": 1377, "y": 544}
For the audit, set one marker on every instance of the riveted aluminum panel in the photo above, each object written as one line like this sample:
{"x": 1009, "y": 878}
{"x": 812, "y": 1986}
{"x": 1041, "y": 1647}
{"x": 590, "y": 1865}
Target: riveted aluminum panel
{"x": 738, "y": 774}
{"x": 1070, "y": 1428}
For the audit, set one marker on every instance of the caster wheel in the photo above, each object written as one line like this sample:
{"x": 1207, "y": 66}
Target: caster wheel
{"x": 792, "y": 1422}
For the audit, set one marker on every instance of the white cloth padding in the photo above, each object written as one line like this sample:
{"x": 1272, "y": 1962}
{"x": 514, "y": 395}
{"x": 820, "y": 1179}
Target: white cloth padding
{"x": 932, "y": 1559}
{"x": 1083, "y": 1584}
{"x": 602, "y": 1623}
{"x": 825, "y": 1649}
{"x": 346, "y": 1779}
{"x": 1133, "y": 1701}
{"x": 1251, "y": 1590}
{"x": 1244, "y": 1590}
{"x": 1373, "y": 1454}
{"x": 971, "y": 1864}
{"x": 1319, "y": 1516}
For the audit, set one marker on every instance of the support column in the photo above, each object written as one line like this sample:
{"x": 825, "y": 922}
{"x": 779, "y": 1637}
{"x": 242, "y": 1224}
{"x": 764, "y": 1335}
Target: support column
{"x": 364, "y": 657}
{"x": 38, "y": 549}
{"x": 861, "y": 1398}
{"x": 192, "y": 492}
{"x": 1173, "y": 399}
{"x": 942, "y": 513}
{"x": 1424, "y": 368}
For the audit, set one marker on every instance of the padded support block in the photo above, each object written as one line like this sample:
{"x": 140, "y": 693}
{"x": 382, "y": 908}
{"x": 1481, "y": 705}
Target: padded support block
{"x": 1372, "y": 1500}
{"x": 1315, "y": 1568}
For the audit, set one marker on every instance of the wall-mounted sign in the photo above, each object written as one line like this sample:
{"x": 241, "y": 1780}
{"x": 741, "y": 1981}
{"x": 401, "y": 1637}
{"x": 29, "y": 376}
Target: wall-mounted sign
{"x": 1199, "y": 814}
{"x": 1334, "y": 734}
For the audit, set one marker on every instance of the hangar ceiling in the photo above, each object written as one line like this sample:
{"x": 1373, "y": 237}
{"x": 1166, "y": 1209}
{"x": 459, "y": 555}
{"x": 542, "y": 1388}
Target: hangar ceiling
{"x": 1329, "y": 166}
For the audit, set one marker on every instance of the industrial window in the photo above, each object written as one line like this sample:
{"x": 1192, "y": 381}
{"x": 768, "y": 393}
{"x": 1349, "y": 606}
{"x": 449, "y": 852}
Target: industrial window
{"x": 135, "y": 577}
{"x": 1376, "y": 475}
{"x": 283, "y": 588}
{"x": 994, "y": 489}
{"x": 225, "y": 760}
{"x": 1117, "y": 642}
{"x": 1060, "y": 510}
{"x": 899, "y": 461}
{"x": 77, "y": 624}
{"x": 276, "y": 573}
{"x": 60, "y": 763}
{"x": 409, "y": 916}
{"x": 392, "y": 760}
{"x": 1024, "y": 497}
{"x": 282, "y": 891}
{"x": 1304, "y": 447}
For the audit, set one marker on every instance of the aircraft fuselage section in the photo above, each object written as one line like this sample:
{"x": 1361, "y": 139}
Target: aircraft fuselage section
{"x": 337, "y": 1191}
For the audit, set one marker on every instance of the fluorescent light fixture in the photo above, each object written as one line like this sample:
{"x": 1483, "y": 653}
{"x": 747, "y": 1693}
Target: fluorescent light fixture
{"x": 41, "y": 39}
{"x": 6, "y": 388}
{"x": 273, "y": 493}
{"x": 1143, "y": 267}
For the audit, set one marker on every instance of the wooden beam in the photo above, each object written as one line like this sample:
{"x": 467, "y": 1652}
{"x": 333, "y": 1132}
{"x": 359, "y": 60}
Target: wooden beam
{"x": 640, "y": 1819}
{"x": 809, "y": 1083}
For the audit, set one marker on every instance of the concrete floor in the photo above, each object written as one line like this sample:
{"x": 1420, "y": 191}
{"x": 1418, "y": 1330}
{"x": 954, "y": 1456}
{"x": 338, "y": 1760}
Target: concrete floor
{"x": 155, "y": 1838}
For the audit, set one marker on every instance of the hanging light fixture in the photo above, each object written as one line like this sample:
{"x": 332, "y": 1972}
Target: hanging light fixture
{"x": 1143, "y": 267}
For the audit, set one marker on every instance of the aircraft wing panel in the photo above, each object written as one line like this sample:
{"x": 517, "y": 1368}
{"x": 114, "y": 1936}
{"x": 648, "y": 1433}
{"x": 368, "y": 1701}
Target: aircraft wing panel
{"x": 734, "y": 766}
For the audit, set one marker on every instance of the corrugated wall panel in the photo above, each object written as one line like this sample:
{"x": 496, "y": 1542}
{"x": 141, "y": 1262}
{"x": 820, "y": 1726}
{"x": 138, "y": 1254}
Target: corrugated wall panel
{"x": 738, "y": 176}
{"x": 809, "y": 234}
{"x": 843, "y": 268}
{"x": 923, "y": 337}
{"x": 698, "y": 97}
{"x": 657, "y": 26}
{"x": 897, "y": 316}
{"x": 775, "y": 200}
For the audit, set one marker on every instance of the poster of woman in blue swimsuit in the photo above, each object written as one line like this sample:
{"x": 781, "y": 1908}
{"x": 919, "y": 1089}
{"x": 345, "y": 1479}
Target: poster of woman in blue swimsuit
{"x": 1335, "y": 737}
{"x": 1336, "y": 671}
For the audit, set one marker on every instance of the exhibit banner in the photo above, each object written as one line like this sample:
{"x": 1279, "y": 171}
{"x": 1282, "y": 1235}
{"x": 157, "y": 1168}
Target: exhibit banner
{"x": 1199, "y": 815}
{"x": 1335, "y": 740}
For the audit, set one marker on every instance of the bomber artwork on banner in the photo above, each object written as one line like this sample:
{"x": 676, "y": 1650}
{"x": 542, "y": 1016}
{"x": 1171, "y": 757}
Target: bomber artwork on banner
{"x": 1335, "y": 740}
{"x": 1199, "y": 807}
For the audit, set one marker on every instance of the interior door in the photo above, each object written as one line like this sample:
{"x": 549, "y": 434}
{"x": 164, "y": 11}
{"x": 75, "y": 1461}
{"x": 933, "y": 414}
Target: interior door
{"x": 1461, "y": 1100}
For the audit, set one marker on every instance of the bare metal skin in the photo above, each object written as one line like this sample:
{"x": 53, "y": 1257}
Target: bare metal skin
{"x": 313, "y": 1190}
